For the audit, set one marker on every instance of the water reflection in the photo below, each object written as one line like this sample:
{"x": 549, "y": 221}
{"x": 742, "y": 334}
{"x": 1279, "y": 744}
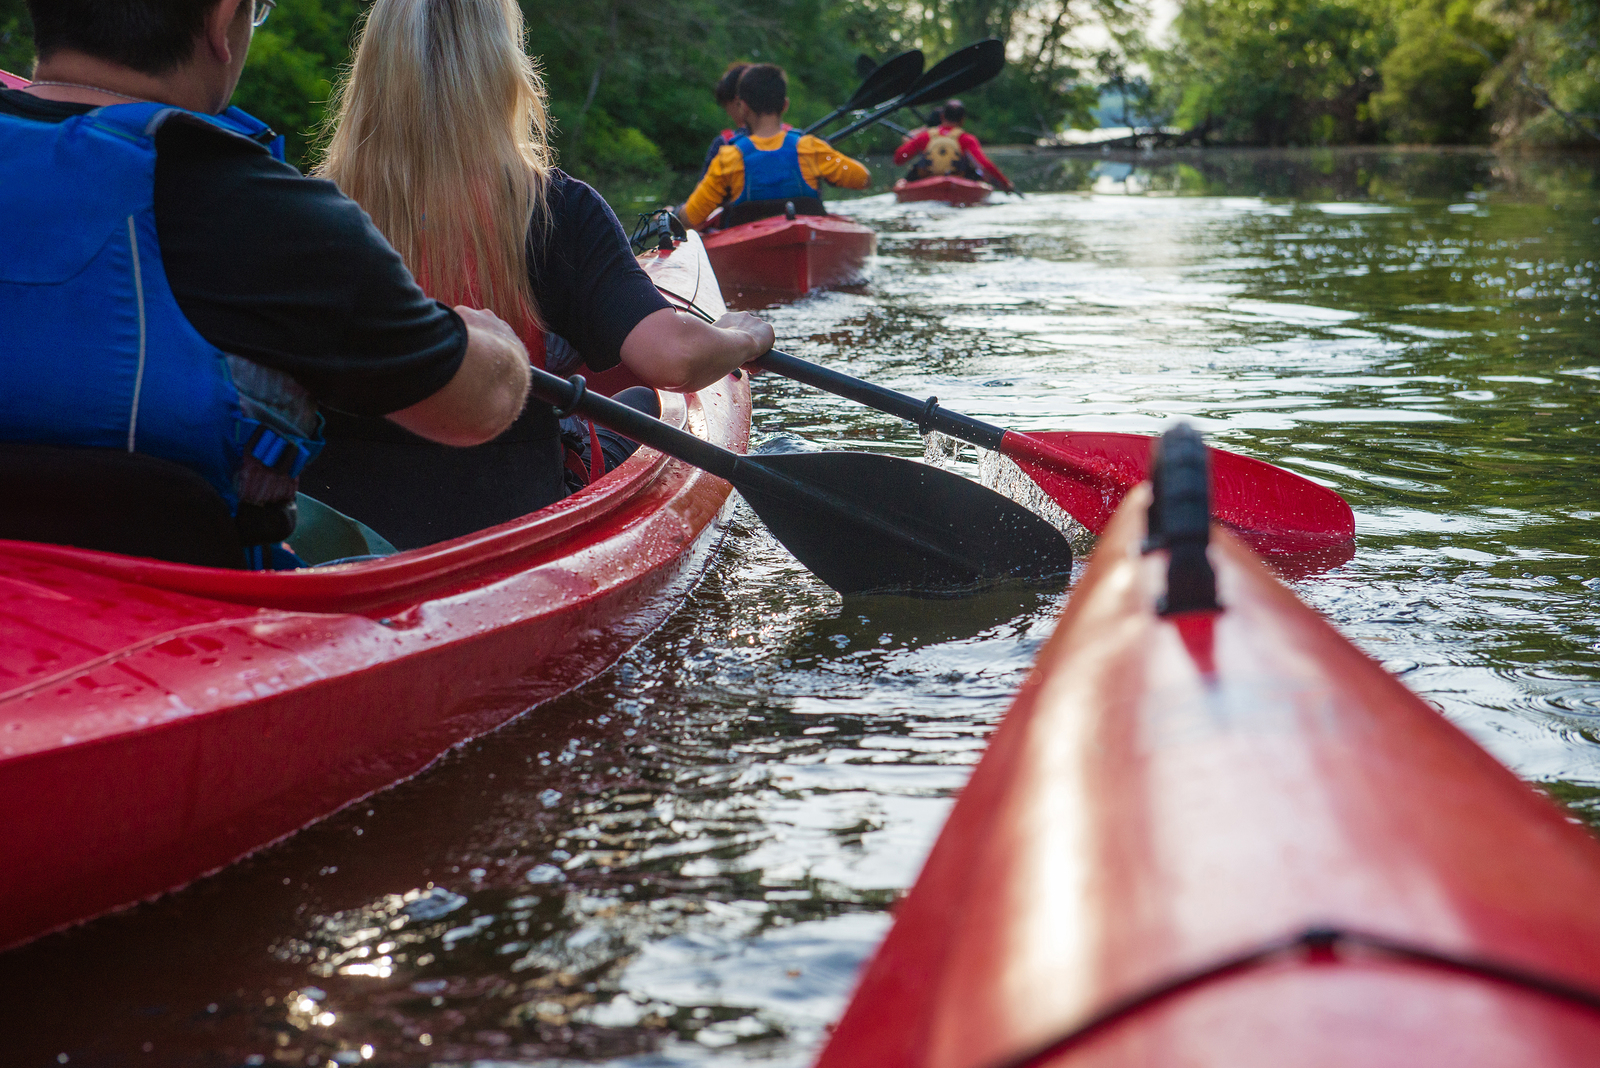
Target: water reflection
{"x": 685, "y": 861}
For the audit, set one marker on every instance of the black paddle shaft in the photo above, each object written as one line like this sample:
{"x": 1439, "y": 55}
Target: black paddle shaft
{"x": 925, "y": 413}
{"x": 861, "y": 522}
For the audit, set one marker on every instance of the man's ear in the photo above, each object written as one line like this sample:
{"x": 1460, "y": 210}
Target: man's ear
{"x": 785, "y": 105}
{"x": 219, "y": 22}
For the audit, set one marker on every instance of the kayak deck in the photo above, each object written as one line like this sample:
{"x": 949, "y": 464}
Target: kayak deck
{"x": 1170, "y": 795}
{"x": 158, "y": 721}
{"x": 780, "y": 258}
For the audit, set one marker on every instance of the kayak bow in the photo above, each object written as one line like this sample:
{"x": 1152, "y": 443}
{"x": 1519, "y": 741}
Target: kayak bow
{"x": 1224, "y": 837}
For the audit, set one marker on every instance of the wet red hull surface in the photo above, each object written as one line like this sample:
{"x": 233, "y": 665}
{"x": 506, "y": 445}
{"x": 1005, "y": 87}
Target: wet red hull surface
{"x": 779, "y": 258}
{"x": 948, "y": 188}
{"x": 1171, "y": 794}
{"x": 159, "y": 721}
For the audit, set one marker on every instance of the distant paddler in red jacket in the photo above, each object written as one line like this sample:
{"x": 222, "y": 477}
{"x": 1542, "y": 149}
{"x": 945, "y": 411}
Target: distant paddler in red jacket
{"x": 948, "y": 149}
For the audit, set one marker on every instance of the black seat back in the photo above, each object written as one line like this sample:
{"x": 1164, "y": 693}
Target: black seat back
{"x": 115, "y": 501}
{"x": 751, "y": 210}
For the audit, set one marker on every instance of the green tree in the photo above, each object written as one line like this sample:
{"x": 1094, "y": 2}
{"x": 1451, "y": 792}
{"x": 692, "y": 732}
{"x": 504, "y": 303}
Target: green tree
{"x": 1545, "y": 89}
{"x": 1275, "y": 72}
{"x": 293, "y": 60}
{"x": 1430, "y": 77}
{"x": 16, "y": 38}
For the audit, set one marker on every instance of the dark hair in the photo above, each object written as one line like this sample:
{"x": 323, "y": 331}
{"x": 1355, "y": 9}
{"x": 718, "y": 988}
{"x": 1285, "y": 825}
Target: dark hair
{"x": 954, "y": 112}
{"x": 764, "y": 87}
{"x": 149, "y": 36}
{"x": 936, "y": 117}
{"x": 727, "y": 87}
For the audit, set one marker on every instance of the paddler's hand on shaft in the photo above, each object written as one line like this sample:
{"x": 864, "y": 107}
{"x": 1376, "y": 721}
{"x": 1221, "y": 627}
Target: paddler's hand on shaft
{"x": 487, "y": 392}
{"x": 757, "y": 331}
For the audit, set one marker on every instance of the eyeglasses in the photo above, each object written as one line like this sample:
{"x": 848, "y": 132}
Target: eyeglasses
{"x": 260, "y": 9}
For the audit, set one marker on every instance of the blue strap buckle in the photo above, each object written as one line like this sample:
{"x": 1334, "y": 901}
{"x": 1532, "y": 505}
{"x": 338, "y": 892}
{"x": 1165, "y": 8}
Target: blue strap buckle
{"x": 276, "y": 452}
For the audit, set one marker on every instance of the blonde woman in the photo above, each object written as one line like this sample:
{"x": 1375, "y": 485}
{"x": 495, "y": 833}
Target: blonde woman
{"x": 440, "y": 134}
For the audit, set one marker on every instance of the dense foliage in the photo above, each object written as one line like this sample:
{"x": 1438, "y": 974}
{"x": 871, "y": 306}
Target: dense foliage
{"x": 630, "y": 80}
{"x": 1281, "y": 72}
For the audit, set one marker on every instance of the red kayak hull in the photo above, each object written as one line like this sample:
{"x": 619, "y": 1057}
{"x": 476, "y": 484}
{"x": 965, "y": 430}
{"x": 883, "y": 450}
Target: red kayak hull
{"x": 1167, "y": 794}
{"x": 159, "y": 721}
{"x": 948, "y": 188}
{"x": 780, "y": 258}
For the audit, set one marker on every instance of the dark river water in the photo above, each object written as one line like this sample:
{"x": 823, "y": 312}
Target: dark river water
{"x": 687, "y": 860}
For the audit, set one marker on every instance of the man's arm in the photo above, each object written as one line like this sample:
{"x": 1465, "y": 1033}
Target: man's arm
{"x": 672, "y": 350}
{"x": 486, "y": 394}
{"x": 911, "y": 148}
{"x": 970, "y": 146}
{"x": 723, "y": 181}
{"x": 819, "y": 157}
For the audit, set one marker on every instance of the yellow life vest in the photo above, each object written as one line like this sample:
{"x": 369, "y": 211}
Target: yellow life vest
{"x": 944, "y": 154}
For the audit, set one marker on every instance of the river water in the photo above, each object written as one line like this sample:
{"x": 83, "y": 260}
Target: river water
{"x": 686, "y": 861}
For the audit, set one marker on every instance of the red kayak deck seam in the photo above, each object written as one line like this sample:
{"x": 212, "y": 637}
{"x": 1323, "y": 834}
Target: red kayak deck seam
{"x": 1317, "y": 946}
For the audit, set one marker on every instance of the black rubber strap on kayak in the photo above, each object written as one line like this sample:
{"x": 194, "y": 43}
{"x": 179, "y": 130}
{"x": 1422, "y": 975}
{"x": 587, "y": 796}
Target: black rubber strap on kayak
{"x": 1314, "y": 945}
{"x": 1180, "y": 520}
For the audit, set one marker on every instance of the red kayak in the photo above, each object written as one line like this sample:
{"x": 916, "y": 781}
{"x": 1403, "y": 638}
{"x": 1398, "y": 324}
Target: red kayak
{"x": 1226, "y": 838}
{"x": 949, "y": 188}
{"x": 159, "y": 721}
{"x": 780, "y": 258}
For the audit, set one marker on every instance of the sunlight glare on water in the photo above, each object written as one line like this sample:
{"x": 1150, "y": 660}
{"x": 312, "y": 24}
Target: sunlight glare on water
{"x": 686, "y": 861}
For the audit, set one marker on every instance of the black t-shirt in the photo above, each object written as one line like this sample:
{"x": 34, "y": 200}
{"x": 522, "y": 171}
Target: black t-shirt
{"x": 592, "y": 292}
{"x": 287, "y": 271}
{"x": 590, "y": 288}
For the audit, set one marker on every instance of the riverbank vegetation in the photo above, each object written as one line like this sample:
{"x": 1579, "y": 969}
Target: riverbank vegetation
{"x": 629, "y": 80}
{"x": 1301, "y": 72}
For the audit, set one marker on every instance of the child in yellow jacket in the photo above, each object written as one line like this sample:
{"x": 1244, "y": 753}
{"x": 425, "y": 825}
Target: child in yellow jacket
{"x": 770, "y": 163}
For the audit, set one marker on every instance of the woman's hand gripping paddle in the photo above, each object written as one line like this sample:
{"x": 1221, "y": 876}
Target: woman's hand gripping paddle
{"x": 861, "y": 522}
{"x": 881, "y": 83}
{"x": 1087, "y": 472}
{"x": 956, "y": 73}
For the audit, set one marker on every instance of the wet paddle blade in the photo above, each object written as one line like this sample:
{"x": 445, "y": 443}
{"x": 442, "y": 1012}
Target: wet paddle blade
{"x": 887, "y": 82}
{"x": 879, "y": 84}
{"x": 956, "y": 73}
{"x": 865, "y": 523}
{"x": 1087, "y": 473}
{"x": 865, "y": 65}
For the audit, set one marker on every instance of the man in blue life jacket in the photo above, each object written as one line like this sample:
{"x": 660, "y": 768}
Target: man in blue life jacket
{"x": 771, "y": 165}
{"x": 173, "y": 293}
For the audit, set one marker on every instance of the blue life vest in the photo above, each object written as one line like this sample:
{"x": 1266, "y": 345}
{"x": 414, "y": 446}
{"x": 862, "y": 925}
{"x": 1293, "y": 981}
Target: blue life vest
{"x": 773, "y": 175}
{"x": 97, "y": 352}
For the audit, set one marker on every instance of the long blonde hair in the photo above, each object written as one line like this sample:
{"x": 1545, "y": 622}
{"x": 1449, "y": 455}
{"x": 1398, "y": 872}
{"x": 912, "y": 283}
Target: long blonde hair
{"x": 440, "y": 131}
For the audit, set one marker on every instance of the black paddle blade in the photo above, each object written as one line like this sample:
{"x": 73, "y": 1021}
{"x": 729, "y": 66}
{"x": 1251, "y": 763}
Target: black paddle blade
{"x": 866, "y": 523}
{"x": 886, "y": 82}
{"x": 865, "y": 65}
{"x": 959, "y": 72}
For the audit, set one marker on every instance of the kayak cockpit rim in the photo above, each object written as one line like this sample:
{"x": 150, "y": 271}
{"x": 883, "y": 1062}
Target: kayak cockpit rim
{"x": 358, "y": 586}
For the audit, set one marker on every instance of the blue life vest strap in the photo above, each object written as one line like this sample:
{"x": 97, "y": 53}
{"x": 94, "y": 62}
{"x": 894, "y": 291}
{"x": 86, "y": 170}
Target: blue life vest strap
{"x": 773, "y": 174}
{"x": 285, "y": 455}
